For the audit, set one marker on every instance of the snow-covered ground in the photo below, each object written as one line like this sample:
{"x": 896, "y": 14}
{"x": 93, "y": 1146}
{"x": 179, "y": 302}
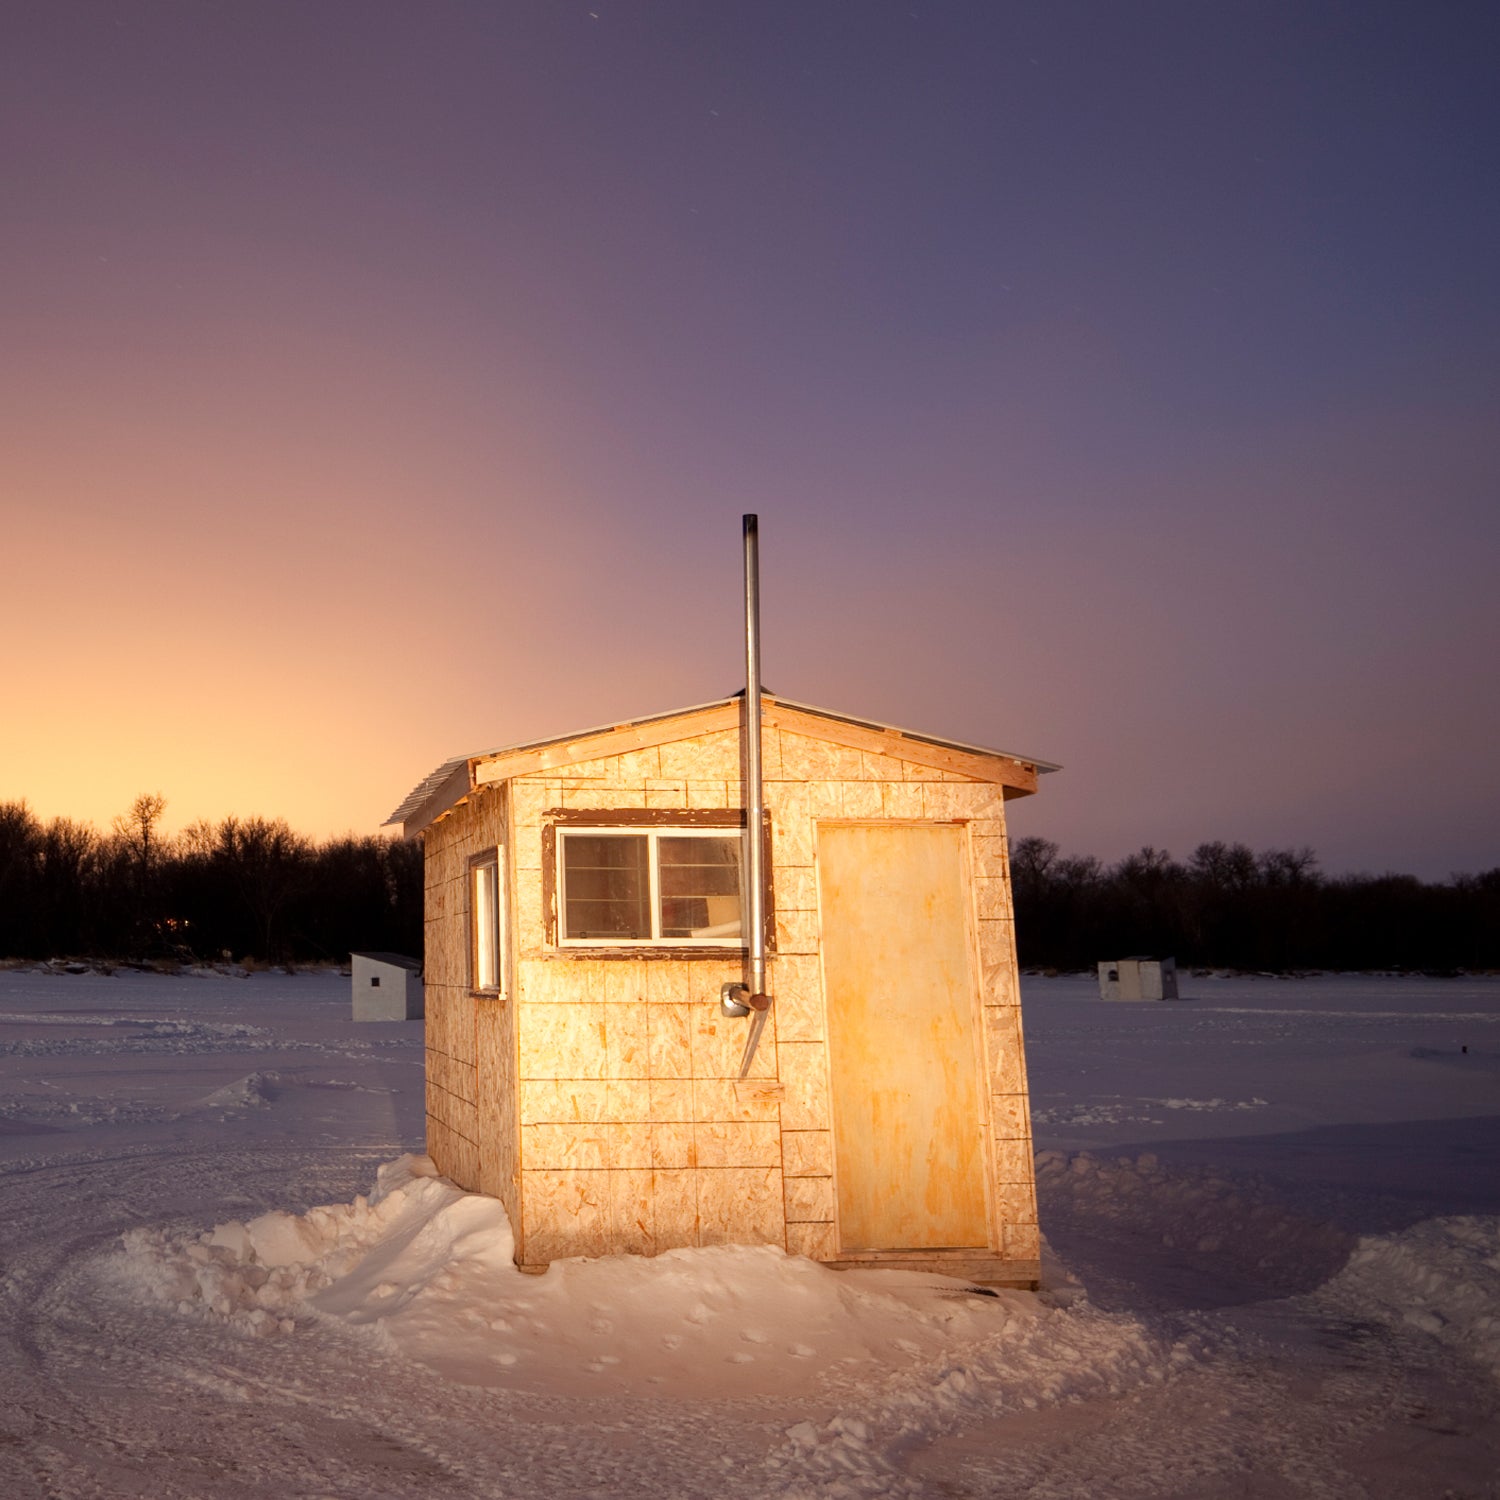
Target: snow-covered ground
{"x": 1273, "y": 1211}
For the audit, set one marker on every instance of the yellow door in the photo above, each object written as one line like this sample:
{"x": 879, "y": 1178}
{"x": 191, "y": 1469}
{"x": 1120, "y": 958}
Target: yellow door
{"x": 902, "y": 1066}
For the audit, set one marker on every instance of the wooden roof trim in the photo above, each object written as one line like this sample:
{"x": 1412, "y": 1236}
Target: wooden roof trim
{"x": 452, "y": 783}
{"x": 597, "y": 746}
{"x": 1018, "y": 777}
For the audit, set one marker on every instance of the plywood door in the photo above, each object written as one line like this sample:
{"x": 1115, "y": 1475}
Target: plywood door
{"x": 901, "y": 1017}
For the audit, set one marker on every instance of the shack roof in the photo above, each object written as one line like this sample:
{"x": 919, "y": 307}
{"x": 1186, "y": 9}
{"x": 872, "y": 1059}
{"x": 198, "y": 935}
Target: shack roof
{"x": 394, "y": 960}
{"x": 452, "y": 781}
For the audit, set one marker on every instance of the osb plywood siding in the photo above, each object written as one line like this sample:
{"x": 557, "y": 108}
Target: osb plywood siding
{"x": 633, "y": 1132}
{"x": 470, "y": 1122}
{"x": 635, "y": 1135}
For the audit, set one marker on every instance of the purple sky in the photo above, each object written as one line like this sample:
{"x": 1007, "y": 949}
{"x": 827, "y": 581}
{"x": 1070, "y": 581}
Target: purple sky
{"x": 1116, "y": 383}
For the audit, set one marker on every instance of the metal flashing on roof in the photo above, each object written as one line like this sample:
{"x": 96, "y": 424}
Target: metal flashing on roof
{"x": 431, "y": 783}
{"x": 425, "y": 788}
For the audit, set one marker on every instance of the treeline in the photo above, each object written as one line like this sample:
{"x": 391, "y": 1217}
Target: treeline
{"x": 1231, "y": 907}
{"x": 254, "y": 888}
{"x": 240, "y": 888}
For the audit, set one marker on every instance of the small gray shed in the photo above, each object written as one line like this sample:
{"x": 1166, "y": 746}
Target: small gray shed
{"x": 387, "y": 987}
{"x": 1138, "y": 979}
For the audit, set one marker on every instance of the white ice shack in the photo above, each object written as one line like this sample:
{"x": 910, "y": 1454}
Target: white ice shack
{"x": 1138, "y": 979}
{"x": 578, "y": 1064}
{"x": 387, "y": 987}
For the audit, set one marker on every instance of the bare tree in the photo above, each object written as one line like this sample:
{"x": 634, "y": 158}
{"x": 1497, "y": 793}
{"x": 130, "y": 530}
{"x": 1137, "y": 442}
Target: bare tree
{"x": 138, "y": 828}
{"x": 270, "y": 865}
{"x": 139, "y": 841}
{"x": 1031, "y": 861}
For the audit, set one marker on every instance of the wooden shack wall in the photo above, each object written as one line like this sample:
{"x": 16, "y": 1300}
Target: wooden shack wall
{"x": 634, "y": 1134}
{"x": 470, "y": 1040}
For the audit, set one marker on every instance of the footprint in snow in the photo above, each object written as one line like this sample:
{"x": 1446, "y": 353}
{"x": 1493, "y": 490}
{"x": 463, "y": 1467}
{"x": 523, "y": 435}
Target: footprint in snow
{"x": 754, "y": 1336}
{"x": 801, "y": 1351}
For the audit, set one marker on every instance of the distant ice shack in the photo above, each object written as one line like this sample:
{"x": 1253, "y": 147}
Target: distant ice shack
{"x": 387, "y": 987}
{"x": 645, "y": 1030}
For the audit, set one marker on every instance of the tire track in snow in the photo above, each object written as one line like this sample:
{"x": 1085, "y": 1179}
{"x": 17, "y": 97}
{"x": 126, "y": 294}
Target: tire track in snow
{"x": 102, "y": 1388}
{"x": 109, "y": 1397}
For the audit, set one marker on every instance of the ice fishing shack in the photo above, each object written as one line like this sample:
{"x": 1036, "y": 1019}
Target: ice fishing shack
{"x": 386, "y": 986}
{"x": 739, "y": 973}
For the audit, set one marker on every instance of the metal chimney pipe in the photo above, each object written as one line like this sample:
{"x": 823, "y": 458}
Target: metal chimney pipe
{"x": 755, "y": 875}
{"x": 750, "y": 998}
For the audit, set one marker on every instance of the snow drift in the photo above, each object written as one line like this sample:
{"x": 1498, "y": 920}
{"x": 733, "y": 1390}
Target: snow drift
{"x": 428, "y": 1270}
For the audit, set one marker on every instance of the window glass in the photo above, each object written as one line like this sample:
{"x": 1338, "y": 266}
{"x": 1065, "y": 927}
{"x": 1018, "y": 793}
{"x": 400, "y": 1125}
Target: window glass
{"x": 607, "y": 886}
{"x": 700, "y": 886}
{"x": 485, "y": 910}
{"x": 651, "y": 886}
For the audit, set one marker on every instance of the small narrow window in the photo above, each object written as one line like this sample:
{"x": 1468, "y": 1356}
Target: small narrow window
{"x": 668, "y": 886}
{"x": 486, "y": 955}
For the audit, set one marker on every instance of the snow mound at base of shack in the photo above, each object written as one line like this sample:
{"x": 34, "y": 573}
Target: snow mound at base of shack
{"x": 427, "y": 1270}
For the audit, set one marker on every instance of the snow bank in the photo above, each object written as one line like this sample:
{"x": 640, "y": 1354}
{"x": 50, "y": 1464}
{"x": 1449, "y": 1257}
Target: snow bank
{"x": 427, "y": 1271}
{"x": 262, "y": 1275}
{"x": 253, "y": 1091}
{"x": 1441, "y": 1276}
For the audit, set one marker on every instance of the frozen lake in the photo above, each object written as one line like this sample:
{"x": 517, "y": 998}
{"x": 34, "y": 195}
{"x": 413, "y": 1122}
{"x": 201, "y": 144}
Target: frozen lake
{"x": 1273, "y": 1206}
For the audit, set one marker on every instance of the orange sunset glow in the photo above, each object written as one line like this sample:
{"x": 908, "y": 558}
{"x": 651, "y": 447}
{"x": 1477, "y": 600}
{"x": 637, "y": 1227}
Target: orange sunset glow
{"x": 376, "y": 394}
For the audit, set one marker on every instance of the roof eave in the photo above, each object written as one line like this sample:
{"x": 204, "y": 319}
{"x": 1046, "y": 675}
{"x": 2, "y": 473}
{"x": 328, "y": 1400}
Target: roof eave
{"x": 455, "y": 779}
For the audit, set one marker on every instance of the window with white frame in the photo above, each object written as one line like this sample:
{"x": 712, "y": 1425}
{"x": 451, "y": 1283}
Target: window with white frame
{"x": 672, "y": 887}
{"x": 486, "y": 901}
